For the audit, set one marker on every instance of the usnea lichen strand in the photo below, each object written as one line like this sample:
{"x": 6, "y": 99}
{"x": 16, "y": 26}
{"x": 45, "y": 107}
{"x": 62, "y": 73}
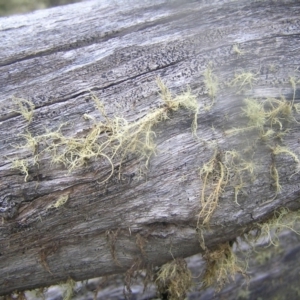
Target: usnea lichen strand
{"x": 112, "y": 139}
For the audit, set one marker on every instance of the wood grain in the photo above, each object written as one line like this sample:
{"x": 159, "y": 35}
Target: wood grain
{"x": 116, "y": 49}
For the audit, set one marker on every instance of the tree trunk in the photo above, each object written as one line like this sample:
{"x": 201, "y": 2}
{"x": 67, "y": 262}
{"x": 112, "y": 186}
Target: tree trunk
{"x": 95, "y": 220}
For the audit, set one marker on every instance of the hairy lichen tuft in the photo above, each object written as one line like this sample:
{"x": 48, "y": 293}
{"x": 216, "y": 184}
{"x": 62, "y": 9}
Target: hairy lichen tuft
{"x": 174, "y": 279}
{"x": 113, "y": 139}
{"x": 24, "y": 107}
{"x": 214, "y": 176}
{"x": 222, "y": 265}
{"x": 237, "y": 50}
{"x": 59, "y": 202}
{"x": 243, "y": 80}
{"x": 22, "y": 165}
{"x": 282, "y": 219}
{"x": 69, "y": 289}
{"x": 211, "y": 84}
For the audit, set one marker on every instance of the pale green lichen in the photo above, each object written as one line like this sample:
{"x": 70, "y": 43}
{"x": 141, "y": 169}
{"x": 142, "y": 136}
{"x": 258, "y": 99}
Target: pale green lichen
{"x": 112, "y": 139}
{"x": 174, "y": 278}
{"x": 222, "y": 265}
{"x": 211, "y": 84}
{"x": 22, "y": 165}
{"x": 243, "y": 80}
{"x": 24, "y": 107}
{"x": 62, "y": 200}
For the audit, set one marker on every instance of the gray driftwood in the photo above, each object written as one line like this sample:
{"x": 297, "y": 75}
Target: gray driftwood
{"x": 116, "y": 49}
{"x": 273, "y": 273}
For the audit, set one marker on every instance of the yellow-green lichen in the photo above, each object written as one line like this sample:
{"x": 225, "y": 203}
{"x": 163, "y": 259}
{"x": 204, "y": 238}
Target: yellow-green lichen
{"x": 174, "y": 279}
{"x": 211, "y": 84}
{"x": 24, "y": 107}
{"x": 111, "y": 140}
{"x": 222, "y": 265}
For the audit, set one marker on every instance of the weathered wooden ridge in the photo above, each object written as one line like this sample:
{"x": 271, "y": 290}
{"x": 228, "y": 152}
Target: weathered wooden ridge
{"x": 224, "y": 52}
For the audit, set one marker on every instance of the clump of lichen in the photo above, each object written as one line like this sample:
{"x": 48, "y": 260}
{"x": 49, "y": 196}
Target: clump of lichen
{"x": 24, "y": 107}
{"x": 221, "y": 266}
{"x": 282, "y": 219}
{"x": 268, "y": 122}
{"x": 174, "y": 279}
{"x": 266, "y": 116}
{"x": 214, "y": 176}
{"x": 111, "y": 140}
{"x": 243, "y": 80}
{"x": 211, "y": 84}
{"x": 69, "y": 289}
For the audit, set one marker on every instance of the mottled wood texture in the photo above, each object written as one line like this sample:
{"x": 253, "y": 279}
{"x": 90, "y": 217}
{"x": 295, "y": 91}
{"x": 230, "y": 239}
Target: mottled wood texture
{"x": 116, "y": 49}
{"x": 272, "y": 270}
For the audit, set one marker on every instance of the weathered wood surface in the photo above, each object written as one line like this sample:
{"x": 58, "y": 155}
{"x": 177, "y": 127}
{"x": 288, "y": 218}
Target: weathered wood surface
{"x": 273, "y": 273}
{"x": 56, "y": 57}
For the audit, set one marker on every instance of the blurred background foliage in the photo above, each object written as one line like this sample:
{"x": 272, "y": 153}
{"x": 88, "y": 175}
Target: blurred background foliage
{"x": 11, "y": 7}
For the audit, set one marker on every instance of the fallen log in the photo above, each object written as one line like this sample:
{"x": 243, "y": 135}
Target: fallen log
{"x": 103, "y": 165}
